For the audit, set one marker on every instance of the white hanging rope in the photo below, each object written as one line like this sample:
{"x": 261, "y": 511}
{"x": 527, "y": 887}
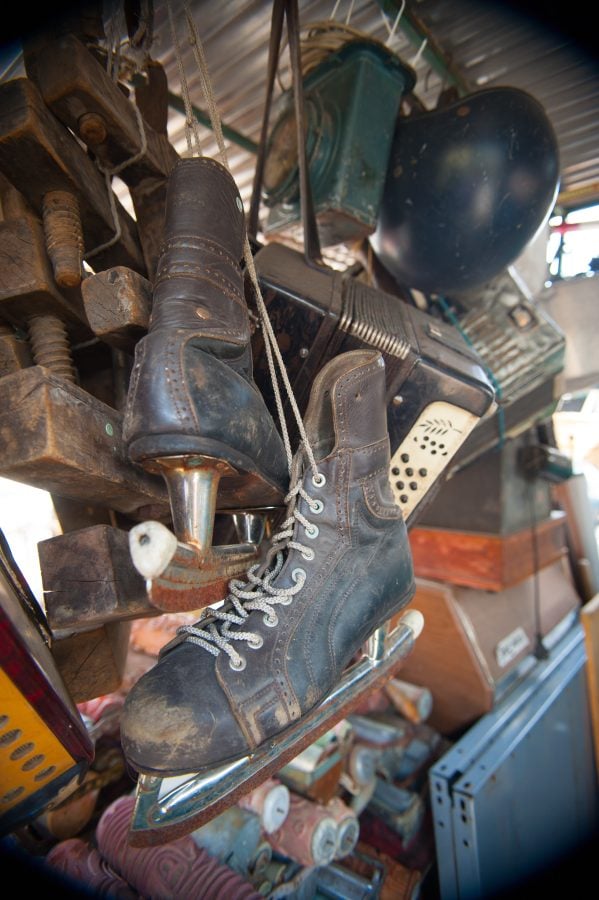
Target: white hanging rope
{"x": 192, "y": 130}
{"x": 396, "y": 22}
{"x": 414, "y": 62}
{"x": 270, "y": 342}
{"x": 335, "y": 8}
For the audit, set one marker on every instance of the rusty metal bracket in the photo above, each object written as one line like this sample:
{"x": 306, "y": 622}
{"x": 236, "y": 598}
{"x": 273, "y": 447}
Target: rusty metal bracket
{"x": 181, "y": 576}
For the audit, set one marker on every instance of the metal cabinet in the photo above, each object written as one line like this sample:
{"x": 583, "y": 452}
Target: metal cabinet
{"x": 517, "y": 794}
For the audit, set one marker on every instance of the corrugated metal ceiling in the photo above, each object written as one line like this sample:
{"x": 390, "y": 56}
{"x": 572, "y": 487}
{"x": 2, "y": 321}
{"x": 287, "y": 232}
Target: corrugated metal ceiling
{"x": 468, "y": 43}
{"x": 476, "y": 44}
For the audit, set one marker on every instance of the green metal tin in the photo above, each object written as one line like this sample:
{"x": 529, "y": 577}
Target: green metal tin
{"x": 351, "y": 101}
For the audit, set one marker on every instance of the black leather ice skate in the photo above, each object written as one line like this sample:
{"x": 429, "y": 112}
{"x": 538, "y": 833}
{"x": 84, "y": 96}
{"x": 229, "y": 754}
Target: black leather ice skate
{"x": 339, "y": 568}
{"x": 192, "y": 403}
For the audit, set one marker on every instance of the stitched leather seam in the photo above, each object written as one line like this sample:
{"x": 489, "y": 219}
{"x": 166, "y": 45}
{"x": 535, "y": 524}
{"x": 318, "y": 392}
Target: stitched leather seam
{"x": 377, "y": 508}
{"x": 197, "y": 242}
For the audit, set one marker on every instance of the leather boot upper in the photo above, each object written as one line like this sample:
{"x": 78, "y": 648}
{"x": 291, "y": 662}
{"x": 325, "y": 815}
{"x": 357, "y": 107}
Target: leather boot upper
{"x": 191, "y": 390}
{"x": 345, "y": 569}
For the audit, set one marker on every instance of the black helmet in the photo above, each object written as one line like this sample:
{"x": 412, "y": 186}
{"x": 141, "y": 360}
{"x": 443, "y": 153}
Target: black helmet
{"x": 467, "y": 187}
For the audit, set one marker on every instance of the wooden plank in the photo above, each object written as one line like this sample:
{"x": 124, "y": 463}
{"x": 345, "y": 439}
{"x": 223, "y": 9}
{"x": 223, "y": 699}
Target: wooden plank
{"x": 77, "y": 88}
{"x": 56, "y": 436}
{"x": 491, "y": 562}
{"x": 118, "y": 303}
{"x": 89, "y": 579}
{"x": 589, "y": 616}
{"x": 93, "y": 663}
{"x": 14, "y": 350}
{"x": 38, "y": 154}
{"x": 149, "y": 203}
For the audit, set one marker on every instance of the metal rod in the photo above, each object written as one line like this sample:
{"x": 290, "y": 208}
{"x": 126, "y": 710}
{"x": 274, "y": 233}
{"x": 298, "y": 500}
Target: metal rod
{"x": 192, "y": 493}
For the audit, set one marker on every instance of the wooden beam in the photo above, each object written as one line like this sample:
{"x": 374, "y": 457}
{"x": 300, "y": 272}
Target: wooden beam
{"x": 89, "y": 579}
{"x": 38, "y": 155}
{"x": 92, "y": 663}
{"x": 589, "y": 616}
{"x": 27, "y": 285}
{"x": 56, "y": 436}
{"x": 79, "y": 91}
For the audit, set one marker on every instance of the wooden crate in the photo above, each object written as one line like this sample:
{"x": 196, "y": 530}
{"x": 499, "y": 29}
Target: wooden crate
{"x": 491, "y": 562}
{"x": 474, "y": 639}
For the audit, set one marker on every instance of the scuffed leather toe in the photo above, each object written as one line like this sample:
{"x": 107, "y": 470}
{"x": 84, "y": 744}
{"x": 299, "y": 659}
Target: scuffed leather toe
{"x": 176, "y": 719}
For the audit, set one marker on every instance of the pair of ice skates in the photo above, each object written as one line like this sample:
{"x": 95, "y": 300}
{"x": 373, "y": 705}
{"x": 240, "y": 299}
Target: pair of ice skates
{"x": 340, "y": 566}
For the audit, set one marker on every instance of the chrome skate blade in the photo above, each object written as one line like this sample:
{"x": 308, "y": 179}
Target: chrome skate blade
{"x": 167, "y": 808}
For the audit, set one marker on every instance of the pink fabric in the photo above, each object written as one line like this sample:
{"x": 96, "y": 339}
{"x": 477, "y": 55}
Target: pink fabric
{"x": 179, "y": 869}
{"x": 81, "y": 863}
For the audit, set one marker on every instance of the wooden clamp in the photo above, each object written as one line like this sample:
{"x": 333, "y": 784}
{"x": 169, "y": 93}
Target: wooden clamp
{"x": 89, "y": 580}
{"x": 38, "y": 155}
{"x": 117, "y": 303}
{"x": 27, "y": 285}
{"x": 56, "y": 436}
{"x": 77, "y": 88}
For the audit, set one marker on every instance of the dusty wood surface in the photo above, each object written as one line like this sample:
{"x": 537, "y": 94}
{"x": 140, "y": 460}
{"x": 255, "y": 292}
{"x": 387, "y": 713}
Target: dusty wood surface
{"x": 38, "y": 154}
{"x": 590, "y": 623}
{"x": 151, "y": 96}
{"x": 56, "y": 436}
{"x": 73, "y": 84}
{"x": 14, "y": 350}
{"x": 118, "y": 303}
{"x": 89, "y": 580}
{"x": 27, "y": 285}
{"x": 488, "y": 561}
{"x": 93, "y": 663}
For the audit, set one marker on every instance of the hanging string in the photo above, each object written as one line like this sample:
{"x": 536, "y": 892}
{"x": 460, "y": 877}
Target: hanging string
{"x": 116, "y": 27}
{"x": 453, "y": 319}
{"x": 191, "y": 124}
{"x": 334, "y": 10}
{"x": 414, "y": 62}
{"x": 202, "y": 64}
{"x": 349, "y": 14}
{"x": 273, "y": 352}
{"x": 395, "y": 23}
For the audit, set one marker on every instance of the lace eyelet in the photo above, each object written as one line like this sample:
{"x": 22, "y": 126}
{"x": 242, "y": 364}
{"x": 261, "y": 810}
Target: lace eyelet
{"x": 238, "y": 667}
{"x": 312, "y": 531}
{"x": 308, "y": 554}
{"x": 319, "y": 480}
{"x": 317, "y": 507}
{"x": 255, "y": 645}
{"x": 298, "y": 574}
{"x": 271, "y": 622}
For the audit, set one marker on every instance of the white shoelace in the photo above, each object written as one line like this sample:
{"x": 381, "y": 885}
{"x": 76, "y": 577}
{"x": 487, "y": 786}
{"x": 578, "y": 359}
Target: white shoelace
{"x": 213, "y": 631}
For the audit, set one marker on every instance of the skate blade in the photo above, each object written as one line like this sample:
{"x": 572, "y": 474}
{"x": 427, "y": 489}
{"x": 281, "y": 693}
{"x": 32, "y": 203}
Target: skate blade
{"x": 168, "y": 808}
